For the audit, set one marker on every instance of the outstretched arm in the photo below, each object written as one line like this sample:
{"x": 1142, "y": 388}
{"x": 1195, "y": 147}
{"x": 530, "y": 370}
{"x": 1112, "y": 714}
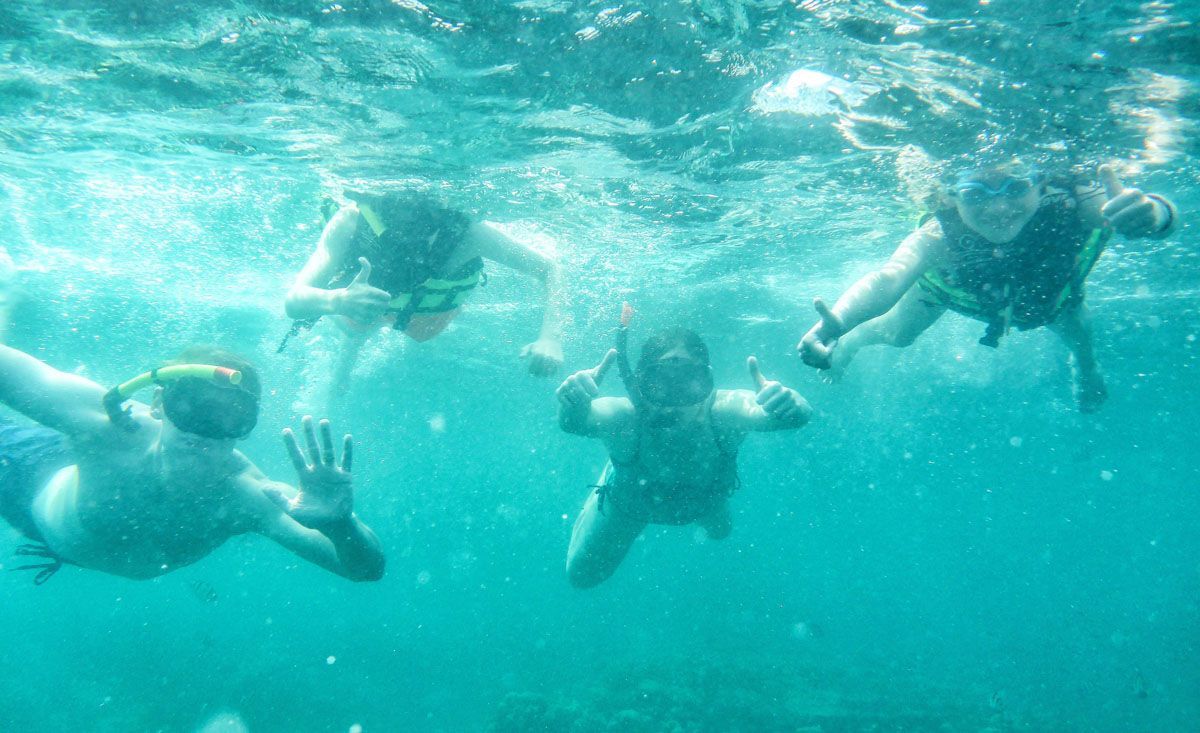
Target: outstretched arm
{"x": 319, "y": 523}
{"x": 545, "y": 354}
{"x": 872, "y": 296}
{"x": 771, "y": 407}
{"x": 310, "y": 298}
{"x": 350, "y": 550}
{"x": 59, "y": 400}
{"x": 1130, "y": 211}
{"x": 581, "y": 409}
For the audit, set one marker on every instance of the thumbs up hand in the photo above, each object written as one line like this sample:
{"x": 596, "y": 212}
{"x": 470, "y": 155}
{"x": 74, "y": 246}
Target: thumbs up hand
{"x": 583, "y": 386}
{"x": 1130, "y": 211}
{"x": 360, "y": 301}
{"x": 816, "y": 348}
{"x": 779, "y": 402}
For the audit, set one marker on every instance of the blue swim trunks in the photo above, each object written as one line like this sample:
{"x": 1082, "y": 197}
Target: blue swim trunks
{"x": 29, "y": 457}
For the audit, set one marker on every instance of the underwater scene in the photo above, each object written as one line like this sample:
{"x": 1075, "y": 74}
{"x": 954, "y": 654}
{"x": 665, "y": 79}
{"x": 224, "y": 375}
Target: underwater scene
{"x": 707, "y": 366}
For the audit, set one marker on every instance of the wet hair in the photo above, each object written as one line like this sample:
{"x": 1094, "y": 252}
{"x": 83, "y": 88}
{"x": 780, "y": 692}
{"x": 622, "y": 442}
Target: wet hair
{"x": 667, "y": 340}
{"x": 198, "y": 406}
{"x": 422, "y": 234}
{"x": 412, "y": 215}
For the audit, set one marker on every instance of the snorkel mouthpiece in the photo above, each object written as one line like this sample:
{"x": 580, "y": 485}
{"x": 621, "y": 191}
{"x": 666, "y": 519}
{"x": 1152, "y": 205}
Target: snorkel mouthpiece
{"x": 181, "y": 377}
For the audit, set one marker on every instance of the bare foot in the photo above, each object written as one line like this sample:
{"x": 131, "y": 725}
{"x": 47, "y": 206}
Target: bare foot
{"x": 1090, "y": 392}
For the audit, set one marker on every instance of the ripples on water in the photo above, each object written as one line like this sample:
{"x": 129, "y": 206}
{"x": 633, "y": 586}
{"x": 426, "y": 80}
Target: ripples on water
{"x": 640, "y": 120}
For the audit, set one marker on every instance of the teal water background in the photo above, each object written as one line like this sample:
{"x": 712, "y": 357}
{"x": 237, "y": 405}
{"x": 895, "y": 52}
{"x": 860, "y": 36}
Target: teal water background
{"x": 949, "y": 543}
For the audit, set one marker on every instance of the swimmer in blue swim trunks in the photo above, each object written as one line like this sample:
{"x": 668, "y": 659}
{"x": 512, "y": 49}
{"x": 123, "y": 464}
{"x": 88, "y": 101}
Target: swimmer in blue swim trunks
{"x": 672, "y": 445}
{"x": 140, "y": 490}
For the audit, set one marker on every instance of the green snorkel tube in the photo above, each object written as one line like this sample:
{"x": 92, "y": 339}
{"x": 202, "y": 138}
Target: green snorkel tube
{"x": 115, "y": 398}
{"x": 623, "y": 368}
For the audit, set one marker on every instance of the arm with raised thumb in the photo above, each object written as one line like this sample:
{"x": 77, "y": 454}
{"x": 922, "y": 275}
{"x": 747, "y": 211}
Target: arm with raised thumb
{"x": 774, "y": 407}
{"x": 309, "y": 295}
{"x": 577, "y": 394}
{"x": 1133, "y": 212}
{"x": 877, "y": 292}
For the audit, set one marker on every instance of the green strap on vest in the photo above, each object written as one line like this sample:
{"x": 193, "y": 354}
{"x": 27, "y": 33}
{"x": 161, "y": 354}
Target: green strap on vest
{"x": 435, "y": 295}
{"x": 438, "y": 295}
{"x": 372, "y": 219}
{"x": 963, "y": 301}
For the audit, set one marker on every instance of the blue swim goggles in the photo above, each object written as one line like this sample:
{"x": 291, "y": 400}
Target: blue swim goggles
{"x": 976, "y": 192}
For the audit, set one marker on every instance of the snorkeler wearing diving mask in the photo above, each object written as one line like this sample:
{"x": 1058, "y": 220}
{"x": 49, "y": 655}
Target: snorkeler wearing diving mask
{"x": 1005, "y": 244}
{"x": 140, "y": 490}
{"x": 672, "y": 444}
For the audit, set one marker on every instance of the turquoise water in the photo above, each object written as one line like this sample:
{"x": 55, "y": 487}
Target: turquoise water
{"x": 948, "y": 546}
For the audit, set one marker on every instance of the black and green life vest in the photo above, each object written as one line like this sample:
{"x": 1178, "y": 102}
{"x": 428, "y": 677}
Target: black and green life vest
{"x": 408, "y": 239}
{"x": 1024, "y": 283}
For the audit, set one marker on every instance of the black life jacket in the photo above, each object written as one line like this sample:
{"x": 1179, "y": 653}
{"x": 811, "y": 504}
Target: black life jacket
{"x": 408, "y": 239}
{"x": 1026, "y": 282}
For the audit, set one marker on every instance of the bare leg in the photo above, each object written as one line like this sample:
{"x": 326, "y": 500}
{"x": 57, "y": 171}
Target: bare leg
{"x": 344, "y": 361}
{"x": 900, "y": 327}
{"x": 1074, "y": 327}
{"x": 599, "y": 543}
{"x": 719, "y": 523}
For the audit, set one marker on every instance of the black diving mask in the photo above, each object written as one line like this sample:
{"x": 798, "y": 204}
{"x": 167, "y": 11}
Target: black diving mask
{"x": 202, "y": 408}
{"x": 675, "y": 382}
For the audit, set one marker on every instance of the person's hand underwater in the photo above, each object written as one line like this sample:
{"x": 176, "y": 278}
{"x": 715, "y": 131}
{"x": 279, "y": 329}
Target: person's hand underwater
{"x": 326, "y": 493}
{"x": 816, "y": 348}
{"x": 544, "y": 357}
{"x": 1130, "y": 211}
{"x": 362, "y": 302}
{"x": 584, "y": 386}
{"x": 781, "y": 403}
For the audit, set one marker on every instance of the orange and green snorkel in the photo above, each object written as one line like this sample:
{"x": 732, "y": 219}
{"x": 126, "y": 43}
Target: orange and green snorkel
{"x": 115, "y": 398}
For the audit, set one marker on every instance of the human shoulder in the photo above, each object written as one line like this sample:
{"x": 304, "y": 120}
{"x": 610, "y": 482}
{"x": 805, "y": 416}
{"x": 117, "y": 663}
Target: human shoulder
{"x": 930, "y": 227}
{"x": 926, "y": 243}
{"x": 612, "y": 412}
{"x": 482, "y": 239}
{"x": 340, "y": 230}
{"x": 732, "y": 415}
{"x": 133, "y": 434}
{"x": 347, "y": 212}
{"x": 492, "y": 243}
